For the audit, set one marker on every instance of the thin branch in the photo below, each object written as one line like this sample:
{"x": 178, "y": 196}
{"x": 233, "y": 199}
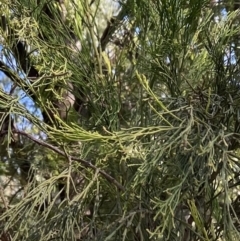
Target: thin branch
{"x": 3, "y": 198}
{"x": 69, "y": 174}
{"x": 111, "y": 27}
{"x": 12, "y": 75}
{"x": 62, "y": 153}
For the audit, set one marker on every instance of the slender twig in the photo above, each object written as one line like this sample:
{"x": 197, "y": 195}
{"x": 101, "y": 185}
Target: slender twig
{"x": 3, "y": 198}
{"x": 62, "y": 153}
{"x": 91, "y": 31}
{"x": 69, "y": 174}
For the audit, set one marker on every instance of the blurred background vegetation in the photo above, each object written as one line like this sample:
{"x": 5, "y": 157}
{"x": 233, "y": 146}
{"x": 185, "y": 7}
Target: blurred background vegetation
{"x": 119, "y": 120}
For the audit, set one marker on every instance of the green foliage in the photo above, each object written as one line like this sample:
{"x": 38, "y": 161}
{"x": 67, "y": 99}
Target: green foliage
{"x": 152, "y": 150}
